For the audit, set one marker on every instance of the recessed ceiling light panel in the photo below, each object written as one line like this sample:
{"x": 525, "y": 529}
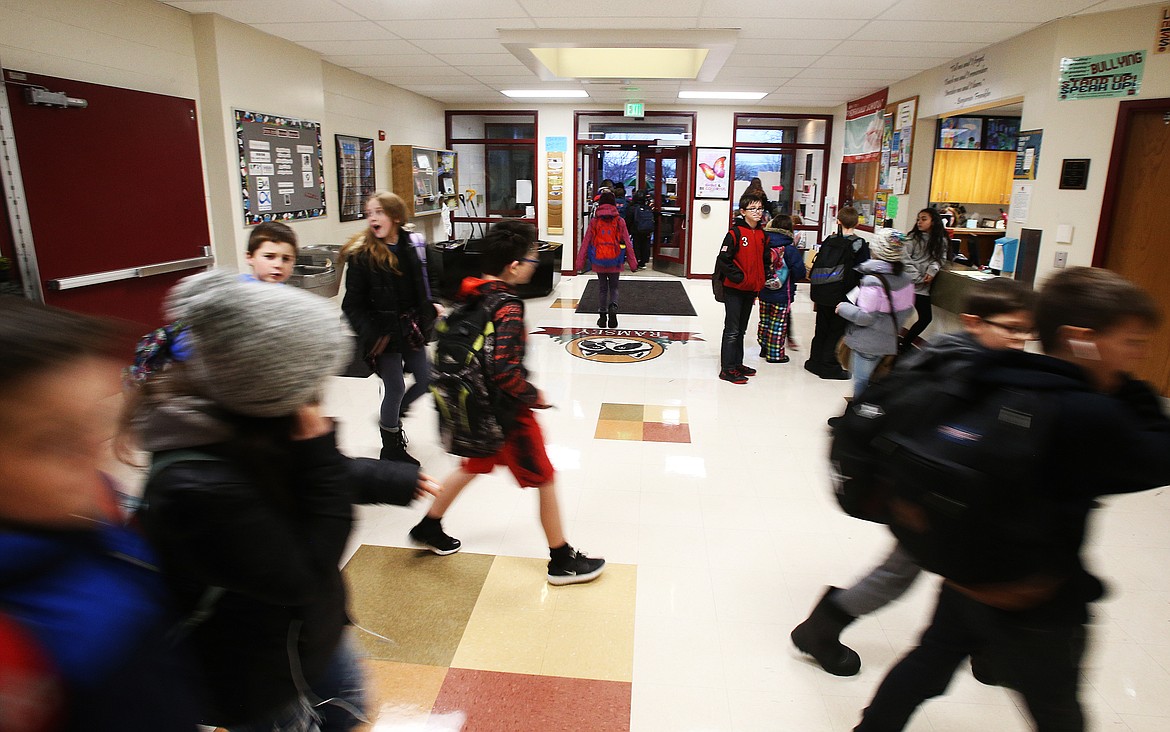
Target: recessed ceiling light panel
{"x": 721, "y": 95}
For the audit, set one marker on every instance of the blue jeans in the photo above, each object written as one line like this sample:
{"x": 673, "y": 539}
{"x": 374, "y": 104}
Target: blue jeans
{"x": 338, "y": 704}
{"x": 862, "y": 365}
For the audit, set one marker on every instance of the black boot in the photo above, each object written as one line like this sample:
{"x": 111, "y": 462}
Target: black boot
{"x": 819, "y": 637}
{"x": 601, "y": 319}
{"x": 613, "y": 315}
{"x": 394, "y": 446}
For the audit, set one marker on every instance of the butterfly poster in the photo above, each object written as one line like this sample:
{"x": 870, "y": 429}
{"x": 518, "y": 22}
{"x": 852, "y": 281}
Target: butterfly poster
{"x": 713, "y": 173}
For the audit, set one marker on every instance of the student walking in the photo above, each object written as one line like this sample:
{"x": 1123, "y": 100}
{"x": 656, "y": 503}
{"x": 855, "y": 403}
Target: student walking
{"x": 390, "y": 304}
{"x": 509, "y": 257}
{"x": 785, "y": 267}
{"x": 640, "y": 223}
{"x": 926, "y": 251}
{"x": 606, "y": 247}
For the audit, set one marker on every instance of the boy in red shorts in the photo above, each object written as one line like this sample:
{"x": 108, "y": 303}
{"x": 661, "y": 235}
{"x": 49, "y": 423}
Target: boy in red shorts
{"x": 509, "y": 258}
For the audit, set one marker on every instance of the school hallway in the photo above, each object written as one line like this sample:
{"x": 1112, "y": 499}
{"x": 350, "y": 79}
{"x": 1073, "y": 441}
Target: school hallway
{"x": 713, "y": 506}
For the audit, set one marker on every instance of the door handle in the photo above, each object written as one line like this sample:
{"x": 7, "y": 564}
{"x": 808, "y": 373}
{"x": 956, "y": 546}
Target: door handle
{"x": 113, "y": 275}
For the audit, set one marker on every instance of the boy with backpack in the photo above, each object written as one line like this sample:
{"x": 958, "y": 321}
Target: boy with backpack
{"x": 607, "y": 246}
{"x": 997, "y": 315}
{"x": 640, "y": 223}
{"x": 509, "y": 258}
{"x": 832, "y": 277}
{"x": 993, "y": 491}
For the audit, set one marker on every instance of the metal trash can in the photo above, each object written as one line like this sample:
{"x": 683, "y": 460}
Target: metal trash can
{"x": 316, "y": 270}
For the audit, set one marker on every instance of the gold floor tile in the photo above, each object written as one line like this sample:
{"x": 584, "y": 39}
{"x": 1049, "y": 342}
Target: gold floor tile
{"x": 591, "y": 646}
{"x": 565, "y": 303}
{"x": 419, "y": 601}
{"x": 512, "y": 641}
{"x": 618, "y": 430}
{"x": 631, "y": 412}
{"x": 614, "y": 592}
{"x": 665, "y": 414}
{"x": 517, "y": 584}
{"x": 400, "y": 695}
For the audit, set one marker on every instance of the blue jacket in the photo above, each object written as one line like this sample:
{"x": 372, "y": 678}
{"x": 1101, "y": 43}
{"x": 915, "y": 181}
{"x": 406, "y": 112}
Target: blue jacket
{"x": 793, "y": 257}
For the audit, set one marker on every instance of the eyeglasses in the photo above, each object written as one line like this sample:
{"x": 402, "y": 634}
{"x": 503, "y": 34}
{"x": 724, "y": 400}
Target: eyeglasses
{"x": 755, "y": 209}
{"x": 1020, "y": 331}
{"x": 531, "y": 261}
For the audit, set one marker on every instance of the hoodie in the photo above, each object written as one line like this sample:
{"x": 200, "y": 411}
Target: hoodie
{"x": 871, "y": 330}
{"x": 781, "y": 239}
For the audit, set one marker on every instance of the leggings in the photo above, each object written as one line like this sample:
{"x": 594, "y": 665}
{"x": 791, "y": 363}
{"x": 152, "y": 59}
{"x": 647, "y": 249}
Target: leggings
{"x": 607, "y": 289}
{"x": 922, "y": 307}
{"x": 396, "y": 398}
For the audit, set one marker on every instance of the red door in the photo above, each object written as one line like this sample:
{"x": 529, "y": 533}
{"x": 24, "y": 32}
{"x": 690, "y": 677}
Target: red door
{"x": 672, "y": 198}
{"x": 114, "y": 192}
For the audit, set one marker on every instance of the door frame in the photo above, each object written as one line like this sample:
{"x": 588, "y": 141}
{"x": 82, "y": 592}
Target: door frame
{"x": 687, "y": 199}
{"x": 16, "y": 203}
{"x": 1125, "y": 114}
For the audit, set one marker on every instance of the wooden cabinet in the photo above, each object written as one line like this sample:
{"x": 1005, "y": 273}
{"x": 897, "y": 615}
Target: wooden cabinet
{"x": 424, "y": 178}
{"x": 972, "y": 176}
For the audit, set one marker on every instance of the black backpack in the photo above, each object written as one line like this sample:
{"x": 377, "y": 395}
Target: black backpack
{"x": 643, "y": 219}
{"x": 831, "y": 275}
{"x": 954, "y": 466}
{"x": 472, "y": 412}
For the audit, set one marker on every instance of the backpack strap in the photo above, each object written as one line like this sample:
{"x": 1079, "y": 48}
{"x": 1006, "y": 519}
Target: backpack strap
{"x": 419, "y": 242}
{"x": 890, "y": 299}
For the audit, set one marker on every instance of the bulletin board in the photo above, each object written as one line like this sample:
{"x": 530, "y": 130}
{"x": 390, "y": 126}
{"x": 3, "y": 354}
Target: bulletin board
{"x": 897, "y": 146}
{"x": 281, "y": 175}
{"x": 355, "y": 175}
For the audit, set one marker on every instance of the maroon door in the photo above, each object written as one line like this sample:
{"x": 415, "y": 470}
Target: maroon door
{"x": 114, "y": 193}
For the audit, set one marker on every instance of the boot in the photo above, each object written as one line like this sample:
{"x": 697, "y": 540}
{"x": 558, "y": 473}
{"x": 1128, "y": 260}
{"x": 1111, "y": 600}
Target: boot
{"x": 394, "y": 446}
{"x": 818, "y": 636}
{"x": 601, "y": 319}
{"x": 613, "y": 315}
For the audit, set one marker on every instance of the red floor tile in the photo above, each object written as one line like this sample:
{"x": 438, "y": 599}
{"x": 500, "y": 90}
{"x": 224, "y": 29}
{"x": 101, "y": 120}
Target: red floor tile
{"x": 659, "y": 432}
{"x": 499, "y": 702}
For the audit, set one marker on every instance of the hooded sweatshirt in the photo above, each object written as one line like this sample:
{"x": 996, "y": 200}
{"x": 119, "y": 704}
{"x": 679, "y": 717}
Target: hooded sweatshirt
{"x": 871, "y": 330}
{"x": 609, "y": 213}
{"x": 780, "y": 243}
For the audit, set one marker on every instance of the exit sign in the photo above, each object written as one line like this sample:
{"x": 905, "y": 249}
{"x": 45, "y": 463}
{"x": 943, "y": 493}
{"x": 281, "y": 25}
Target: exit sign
{"x": 635, "y": 109}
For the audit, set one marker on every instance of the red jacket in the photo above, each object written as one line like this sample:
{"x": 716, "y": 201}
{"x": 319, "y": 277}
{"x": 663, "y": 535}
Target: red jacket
{"x": 506, "y": 367}
{"x": 741, "y": 257}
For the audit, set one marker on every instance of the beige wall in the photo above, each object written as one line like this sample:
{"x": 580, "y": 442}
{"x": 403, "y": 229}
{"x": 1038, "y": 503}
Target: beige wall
{"x": 1028, "y": 66}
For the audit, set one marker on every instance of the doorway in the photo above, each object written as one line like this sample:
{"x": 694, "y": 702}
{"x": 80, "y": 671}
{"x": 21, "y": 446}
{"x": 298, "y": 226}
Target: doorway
{"x": 1131, "y": 234}
{"x": 653, "y": 156}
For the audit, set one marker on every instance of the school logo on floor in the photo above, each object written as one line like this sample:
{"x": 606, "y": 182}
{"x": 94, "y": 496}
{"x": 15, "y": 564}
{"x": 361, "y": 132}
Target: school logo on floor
{"x": 615, "y": 345}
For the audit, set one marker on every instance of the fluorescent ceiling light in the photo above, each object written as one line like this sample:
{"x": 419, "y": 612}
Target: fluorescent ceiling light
{"x": 721, "y": 95}
{"x": 537, "y": 93}
{"x": 620, "y": 63}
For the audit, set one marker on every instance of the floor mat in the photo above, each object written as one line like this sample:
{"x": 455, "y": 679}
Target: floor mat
{"x": 642, "y": 297}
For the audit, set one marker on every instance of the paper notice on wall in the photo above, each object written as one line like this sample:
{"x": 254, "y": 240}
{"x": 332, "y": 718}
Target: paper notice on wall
{"x": 1021, "y": 200}
{"x": 305, "y": 149}
{"x": 261, "y": 169}
{"x": 898, "y": 180}
{"x": 523, "y": 192}
{"x": 259, "y": 145}
{"x": 259, "y": 156}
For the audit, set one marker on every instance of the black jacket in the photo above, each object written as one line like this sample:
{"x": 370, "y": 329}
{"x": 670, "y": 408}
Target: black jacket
{"x": 273, "y": 548}
{"x": 838, "y": 248}
{"x": 372, "y": 301}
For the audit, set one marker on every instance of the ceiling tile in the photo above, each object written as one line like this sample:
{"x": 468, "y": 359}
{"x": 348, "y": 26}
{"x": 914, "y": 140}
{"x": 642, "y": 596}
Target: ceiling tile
{"x": 268, "y": 11}
{"x": 461, "y": 45}
{"x": 361, "y": 48}
{"x": 775, "y": 11}
{"x": 433, "y": 73}
{"x": 785, "y": 46}
{"x": 481, "y": 59}
{"x": 892, "y": 63}
{"x": 858, "y": 73}
{"x": 344, "y": 31}
{"x": 787, "y": 31}
{"x": 416, "y": 10}
{"x": 1026, "y": 12}
{"x": 609, "y": 9}
{"x": 908, "y": 32}
{"x": 454, "y": 29}
{"x": 920, "y": 48}
{"x": 669, "y": 22}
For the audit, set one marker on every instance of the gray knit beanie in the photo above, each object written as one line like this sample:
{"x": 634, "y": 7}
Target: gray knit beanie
{"x": 889, "y": 245}
{"x": 257, "y": 348}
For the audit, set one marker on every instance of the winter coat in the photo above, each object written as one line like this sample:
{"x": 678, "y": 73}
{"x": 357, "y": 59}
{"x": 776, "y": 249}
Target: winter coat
{"x": 609, "y": 212}
{"x": 871, "y": 330}
{"x": 793, "y": 257}
{"x": 375, "y": 297}
{"x": 93, "y": 604}
{"x": 741, "y": 257}
{"x": 269, "y": 534}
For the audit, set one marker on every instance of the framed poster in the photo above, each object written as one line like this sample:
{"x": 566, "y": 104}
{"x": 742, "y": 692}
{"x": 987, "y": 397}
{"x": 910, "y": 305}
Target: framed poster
{"x": 711, "y": 179}
{"x": 1027, "y": 154}
{"x": 355, "y": 175}
{"x": 281, "y": 174}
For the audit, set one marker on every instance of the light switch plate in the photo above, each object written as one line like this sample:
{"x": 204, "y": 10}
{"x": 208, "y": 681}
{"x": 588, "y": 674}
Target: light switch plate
{"x": 1064, "y": 234}
{"x": 1061, "y": 260}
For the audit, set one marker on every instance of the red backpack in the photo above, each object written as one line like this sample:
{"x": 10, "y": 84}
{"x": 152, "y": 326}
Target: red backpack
{"x": 607, "y": 248}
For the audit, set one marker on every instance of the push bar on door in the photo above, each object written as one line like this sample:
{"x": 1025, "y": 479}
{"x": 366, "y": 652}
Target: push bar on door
{"x": 97, "y": 278}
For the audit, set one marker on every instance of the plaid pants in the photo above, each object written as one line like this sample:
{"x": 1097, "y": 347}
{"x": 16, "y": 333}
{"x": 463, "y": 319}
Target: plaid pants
{"x": 773, "y": 330}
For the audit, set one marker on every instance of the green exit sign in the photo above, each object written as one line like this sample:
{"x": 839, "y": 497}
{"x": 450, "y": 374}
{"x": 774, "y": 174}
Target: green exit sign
{"x": 635, "y": 109}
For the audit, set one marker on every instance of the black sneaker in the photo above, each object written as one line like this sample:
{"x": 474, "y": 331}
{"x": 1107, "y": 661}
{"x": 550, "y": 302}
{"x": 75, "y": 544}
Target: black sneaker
{"x": 434, "y": 538}
{"x": 576, "y": 569}
{"x": 746, "y": 370}
{"x": 733, "y": 376}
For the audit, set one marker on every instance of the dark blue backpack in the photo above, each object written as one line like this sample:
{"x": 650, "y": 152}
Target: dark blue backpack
{"x": 643, "y": 219}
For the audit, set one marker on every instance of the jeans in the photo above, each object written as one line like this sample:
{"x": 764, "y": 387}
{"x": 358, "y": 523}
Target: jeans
{"x": 1040, "y": 661}
{"x": 862, "y": 365}
{"x": 887, "y": 582}
{"x": 396, "y": 398}
{"x": 823, "y": 351}
{"x": 737, "y": 307}
{"x": 338, "y": 704}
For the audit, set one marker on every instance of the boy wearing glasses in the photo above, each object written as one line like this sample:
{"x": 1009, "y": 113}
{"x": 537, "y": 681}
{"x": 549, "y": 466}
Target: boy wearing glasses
{"x": 741, "y": 264}
{"x": 997, "y": 316}
{"x": 509, "y": 258}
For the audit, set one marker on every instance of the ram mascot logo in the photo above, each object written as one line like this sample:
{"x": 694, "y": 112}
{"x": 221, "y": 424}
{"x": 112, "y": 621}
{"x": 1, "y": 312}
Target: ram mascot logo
{"x": 615, "y": 349}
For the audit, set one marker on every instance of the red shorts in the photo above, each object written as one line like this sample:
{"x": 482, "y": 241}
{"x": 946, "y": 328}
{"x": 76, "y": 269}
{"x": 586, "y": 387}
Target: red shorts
{"x": 523, "y": 453}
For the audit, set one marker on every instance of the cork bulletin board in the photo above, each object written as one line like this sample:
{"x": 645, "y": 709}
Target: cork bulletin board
{"x": 281, "y": 175}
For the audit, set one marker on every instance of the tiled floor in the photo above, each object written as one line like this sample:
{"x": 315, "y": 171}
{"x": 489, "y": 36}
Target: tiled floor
{"x": 718, "y": 546}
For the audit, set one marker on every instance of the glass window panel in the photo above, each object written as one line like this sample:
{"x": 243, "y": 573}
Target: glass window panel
{"x": 511, "y": 179}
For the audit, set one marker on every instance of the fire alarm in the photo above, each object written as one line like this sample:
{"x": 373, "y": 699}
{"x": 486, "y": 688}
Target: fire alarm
{"x": 382, "y": 135}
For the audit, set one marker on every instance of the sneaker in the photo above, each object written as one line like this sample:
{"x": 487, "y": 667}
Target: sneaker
{"x": 575, "y": 570}
{"x": 782, "y": 359}
{"x": 746, "y": 370}
{"x": 434, "y": 539}
{"x": 733, "y": 376}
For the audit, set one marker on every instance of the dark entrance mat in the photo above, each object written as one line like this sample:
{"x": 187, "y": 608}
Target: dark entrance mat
{"x": 642, "y": 297}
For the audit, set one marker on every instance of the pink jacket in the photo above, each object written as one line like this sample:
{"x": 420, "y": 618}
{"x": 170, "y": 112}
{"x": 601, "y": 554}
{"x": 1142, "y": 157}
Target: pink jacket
{"x": 606, "y": 210}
